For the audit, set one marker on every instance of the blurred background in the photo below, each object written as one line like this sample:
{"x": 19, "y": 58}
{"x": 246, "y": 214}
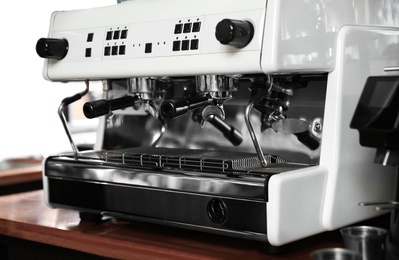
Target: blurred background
{"x": 29, "y": 124}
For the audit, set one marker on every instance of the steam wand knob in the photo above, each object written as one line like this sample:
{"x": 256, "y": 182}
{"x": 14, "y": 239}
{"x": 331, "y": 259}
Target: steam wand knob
{"x": 52, "y": 48}
{"x": 102, "y": 107}
{"x": 236, "y": 33}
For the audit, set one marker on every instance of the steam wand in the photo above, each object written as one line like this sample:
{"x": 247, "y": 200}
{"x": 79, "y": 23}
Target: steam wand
{"x": 64, "y": 103}
{"x": 251, "y": 131}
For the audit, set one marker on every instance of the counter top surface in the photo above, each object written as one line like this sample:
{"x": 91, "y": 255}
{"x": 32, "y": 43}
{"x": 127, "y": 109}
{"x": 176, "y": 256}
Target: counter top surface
{"x": 18, "y": 171}
{"x": 25, "y": 216}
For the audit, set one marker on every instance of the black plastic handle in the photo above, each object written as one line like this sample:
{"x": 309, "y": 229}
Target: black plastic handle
{"x": 102, "y": 107}
{"x": 233, "y": 135}
{"x": 308, "y": 140}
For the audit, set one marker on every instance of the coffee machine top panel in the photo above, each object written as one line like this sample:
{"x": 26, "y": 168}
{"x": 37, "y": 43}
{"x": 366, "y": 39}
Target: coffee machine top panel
{"x": 158, "y": 38}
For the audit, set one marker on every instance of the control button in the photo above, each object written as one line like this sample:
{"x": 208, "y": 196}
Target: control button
{"x": 109, "y": 36}
{"x": 196, "y": 26}
{"x": 52, "y": 48}
{"x": 176, "y": 46}
{"x": 178, "y": 28}
{"x": 236, "y": 33}
{"x": 116, "y": 35}
{"x": 194, "y": 44}
{"x": 88, "y": 52}
{"x": 124, "y": 34}
{"x": 187, "y": 28}
{"x": 90, "y": 37}
{"x": 148, "y": 48}
{"x": 122, "y": 50}
{"x": 114, "y": 50}
{"x": 107, "y": 51}
{"x": 185, "y": 45}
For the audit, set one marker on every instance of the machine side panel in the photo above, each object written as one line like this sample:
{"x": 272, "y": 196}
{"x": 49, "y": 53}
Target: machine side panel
{"x": 295, "y": 205}
{"x": 300, "y": 36}
{"x": 353, "y": 176}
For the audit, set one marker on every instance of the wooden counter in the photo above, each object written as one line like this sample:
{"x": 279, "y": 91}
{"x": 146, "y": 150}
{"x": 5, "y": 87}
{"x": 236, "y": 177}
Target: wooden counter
{"x": 25, "y": 216}
{"x": 18, "y": 171}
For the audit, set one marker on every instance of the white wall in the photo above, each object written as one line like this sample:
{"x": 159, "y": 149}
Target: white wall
{"x": 29, "y": 124}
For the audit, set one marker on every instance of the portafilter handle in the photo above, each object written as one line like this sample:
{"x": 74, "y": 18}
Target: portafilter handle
{"x": 231, "y": 134}
{"x": 102, "y": 107}
{"x": 180, "y": 106}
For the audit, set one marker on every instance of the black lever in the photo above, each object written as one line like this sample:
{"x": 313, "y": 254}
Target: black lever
{"x": 308, "y": 140}
{"x": 102, "y": 107}
{"x": 179, "y": 106}
{"x": 232, "y": 134}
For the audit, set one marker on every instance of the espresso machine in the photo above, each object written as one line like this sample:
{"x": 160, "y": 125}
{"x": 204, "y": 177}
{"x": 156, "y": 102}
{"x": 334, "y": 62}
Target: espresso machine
{"x": 229, "y": 117}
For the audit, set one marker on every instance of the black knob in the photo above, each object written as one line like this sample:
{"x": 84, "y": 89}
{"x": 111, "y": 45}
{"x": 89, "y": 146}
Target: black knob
{"x": 234, "y": 32}
{"x": 102, "y": 107}
{"x": 52, "y": 48}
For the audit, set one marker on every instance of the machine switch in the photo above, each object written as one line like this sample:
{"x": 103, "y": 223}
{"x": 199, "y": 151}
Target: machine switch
{"x": 236, "y": 33}
{"x": 52, "y": 48}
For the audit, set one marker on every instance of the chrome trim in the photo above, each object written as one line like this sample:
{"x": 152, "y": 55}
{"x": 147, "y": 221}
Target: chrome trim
{"x": 197, "y": 182}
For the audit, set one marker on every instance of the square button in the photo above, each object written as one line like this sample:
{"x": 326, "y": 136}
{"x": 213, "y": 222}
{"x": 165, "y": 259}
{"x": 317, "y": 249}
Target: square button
{"x": 116, "y": 35}
{"x": 114, "y": 50}
{"x": 176, "y": 46}
{"x": 107, "y": 51}
{"x": 88, "y": 52}
{"x": 148, "y": 48}
{"x": 194, "y": 44}
{"x": 185, "y": 44}
{"x": 196, "y": 26}
{"x": 124, "y": 34}
{"x": 122, "y": 50}
{"x": 109, "y": 36}
{"x": 187, "y": 28}
{"x": 178, "y": 28}
{"x": 90, "y": 37}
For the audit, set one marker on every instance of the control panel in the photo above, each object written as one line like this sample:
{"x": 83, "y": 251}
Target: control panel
{"x": 182, "y": 45}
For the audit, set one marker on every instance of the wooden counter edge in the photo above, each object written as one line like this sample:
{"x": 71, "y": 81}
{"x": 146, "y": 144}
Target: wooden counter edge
{"x": 92, "y": 244}
{"x": 17, "y": 176}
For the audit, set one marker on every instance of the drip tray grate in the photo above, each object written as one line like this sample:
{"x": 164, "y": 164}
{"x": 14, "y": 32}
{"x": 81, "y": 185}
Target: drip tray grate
{"x": 188, "y": 159}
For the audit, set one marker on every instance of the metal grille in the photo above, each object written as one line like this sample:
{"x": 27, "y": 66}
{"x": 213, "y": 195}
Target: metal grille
{"x": 183, "y": 159}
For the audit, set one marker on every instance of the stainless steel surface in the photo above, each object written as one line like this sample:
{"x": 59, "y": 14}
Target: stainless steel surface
{"x": 367, "y": 241}
{"x": 220, "y": 87}
{"x": 388, "y": 69}
{"x": 335, "y": 253}
{"x": 387, "y": 157}
{"x": 148, "y": 88}
{"x": 67, "y": 101}
{"x": 291, "y": 126}
{"x": 189, "y": 181}
{"x": 251, "y": 131}
{"x": 131, "y": 127}
{"x": 382, "y": 205}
